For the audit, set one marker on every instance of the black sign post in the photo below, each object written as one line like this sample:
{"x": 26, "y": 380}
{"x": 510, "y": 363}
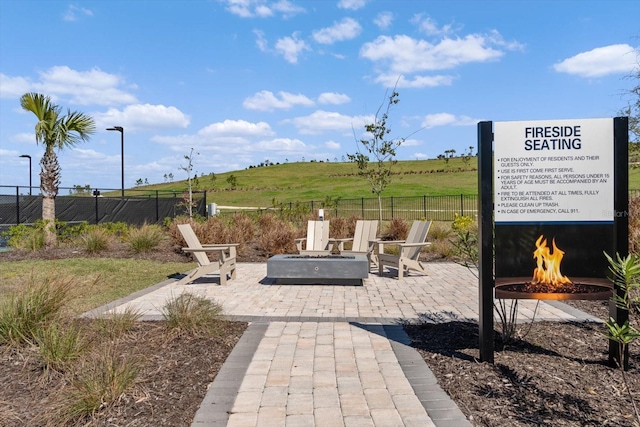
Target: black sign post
{"x": 485, "y": 238}
{"x": 621, "y": 220}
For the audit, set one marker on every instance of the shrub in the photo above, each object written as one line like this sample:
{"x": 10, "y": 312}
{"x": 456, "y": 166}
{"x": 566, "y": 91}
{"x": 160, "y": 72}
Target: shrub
{"x": 212, "y": 231}
{"x": 69, "y": 232}
{"x": 242, "y": 230}
{"x": 462, "y": 223}
{"x": 99, "y": 381}
{"x": 339, "y": 228}
{"x": 24, "y": 313}
{"x": 96, "y": 240}
{"x": 276, "y": 236}
{"x": 191, "y": 314}
{"x": 30, "y": 238}
{"x": 59, "y": 344}
{"x": 119, "y": 323}
{"x": 397, "y": 229}
{"x": 145, "y": 238}
{"x": 439, "y": 231}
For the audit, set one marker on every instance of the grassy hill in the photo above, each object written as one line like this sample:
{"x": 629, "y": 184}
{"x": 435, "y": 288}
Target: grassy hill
{"x": 292, "y": 182}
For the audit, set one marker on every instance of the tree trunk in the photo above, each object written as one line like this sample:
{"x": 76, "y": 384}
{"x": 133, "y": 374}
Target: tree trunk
{"x": 49, "y": 218}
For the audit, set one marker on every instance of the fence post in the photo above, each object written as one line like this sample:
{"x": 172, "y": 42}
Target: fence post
{"x": 157, "y": 207}
{"x": 96, "y": 193}
{"x": 461, "y": 205}
{"x": 362, "y": 204}
{"x": 17, "y": 205}
{"x": 424, "y": 205}
{"x": 391, "y": 207}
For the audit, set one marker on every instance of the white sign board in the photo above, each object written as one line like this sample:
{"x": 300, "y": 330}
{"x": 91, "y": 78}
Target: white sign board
{"x": 553, "y": 170}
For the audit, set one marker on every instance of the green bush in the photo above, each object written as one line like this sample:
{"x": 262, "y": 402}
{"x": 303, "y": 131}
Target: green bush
{"x": 191, "y": 314}
{"x": 30, "y": 238}
{"x": 96, "y": 240}
{"x": 145, "y": 238}
{"x": 59, "y": 344}
{"x": 24, "y": 313}
{"x": 99, "y": 382}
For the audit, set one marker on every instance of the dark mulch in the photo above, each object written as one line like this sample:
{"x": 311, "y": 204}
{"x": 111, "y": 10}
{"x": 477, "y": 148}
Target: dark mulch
{"x": 555, "y": 374}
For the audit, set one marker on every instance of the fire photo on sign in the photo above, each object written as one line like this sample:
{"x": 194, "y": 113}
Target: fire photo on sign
{"x": 553, "y": 262}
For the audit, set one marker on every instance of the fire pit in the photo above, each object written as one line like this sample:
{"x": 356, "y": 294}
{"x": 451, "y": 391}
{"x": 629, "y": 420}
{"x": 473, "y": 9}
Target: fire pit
{"x": 318, "y": 269}
{"x": 548, "y": 282}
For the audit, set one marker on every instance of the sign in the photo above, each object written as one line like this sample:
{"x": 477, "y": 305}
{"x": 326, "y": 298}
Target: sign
{"x": 554, "y": 170}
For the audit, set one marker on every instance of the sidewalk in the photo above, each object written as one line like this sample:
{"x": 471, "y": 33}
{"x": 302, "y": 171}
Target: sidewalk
{"x": 320, "y": 355}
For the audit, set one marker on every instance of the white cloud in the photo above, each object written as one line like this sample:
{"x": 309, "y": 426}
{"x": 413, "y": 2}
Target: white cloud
{"x": 139, "y": 117}
{"x": 287, "y": 8}
{"x": 240, "y": 128}
{"x": 601, "y": 61}
{"x": 411, "y": 142}
{"x": 262, "y": 8}
{"x": 228, "y": 140}
{"x": 351, "y": 4}
{"x": 321, "y": 121}
{"x": 390, "y": 80}
{"x": 333, "y": 98}
{"x": 282, "y": 145}
{"x": 14, "y": 87}
{"x": 267, "y": 101}
{"x": 446, "y": 119}
{"x": 332, "y": 145}
{"x": 93, "y": 87}
{"x": 407, "y": 55}
{"x": 430, "y": 26}
{"x": 71, "y": 14}
{"x": 261, "y": 41}
{"x": 383, "y": 20}
{"x": 346, "y": 29}
{"x": 291, "y": 47}
{"x": 404, "y": 55}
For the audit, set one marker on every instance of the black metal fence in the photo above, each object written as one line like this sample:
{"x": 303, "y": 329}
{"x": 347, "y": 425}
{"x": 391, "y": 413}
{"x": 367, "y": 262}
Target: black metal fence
{"x": 140, "y": 206}
{"x": 98, "y": 206}
{"x": 437, "y": 208}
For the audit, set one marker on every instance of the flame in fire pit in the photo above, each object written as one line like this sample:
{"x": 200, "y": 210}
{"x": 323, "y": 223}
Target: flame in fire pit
{"x": 548, "y": 264}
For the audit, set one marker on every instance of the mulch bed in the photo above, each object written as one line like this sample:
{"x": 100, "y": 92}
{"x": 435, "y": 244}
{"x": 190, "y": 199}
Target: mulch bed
{"x": 554, "y": 374}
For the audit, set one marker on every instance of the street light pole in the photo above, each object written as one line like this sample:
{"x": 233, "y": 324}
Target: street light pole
{"x": 121, "y": 130}
{"x": 26, "y": 156}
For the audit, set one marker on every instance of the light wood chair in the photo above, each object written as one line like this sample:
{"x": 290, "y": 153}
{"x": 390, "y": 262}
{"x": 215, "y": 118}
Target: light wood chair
{"x": 408, "y": 250}
{"x": 226, "y": 263}
{"x": 317, "y": 240}
{"x": 363, "y": 241}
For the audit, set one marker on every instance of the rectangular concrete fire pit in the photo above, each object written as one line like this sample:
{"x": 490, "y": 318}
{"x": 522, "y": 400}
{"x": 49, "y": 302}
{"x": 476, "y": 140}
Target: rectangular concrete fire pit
{"x": 318, "y": 269}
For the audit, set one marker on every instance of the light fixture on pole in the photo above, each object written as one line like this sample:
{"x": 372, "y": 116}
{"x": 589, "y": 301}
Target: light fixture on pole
{"x": 26, "y": 156}
{"x": 121, "y": 130}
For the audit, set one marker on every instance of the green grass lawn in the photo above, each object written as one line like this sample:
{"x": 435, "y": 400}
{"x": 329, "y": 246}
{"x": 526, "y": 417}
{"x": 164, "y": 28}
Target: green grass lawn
{"x": 96, "y": 281}
{"x": 292, "y": 182}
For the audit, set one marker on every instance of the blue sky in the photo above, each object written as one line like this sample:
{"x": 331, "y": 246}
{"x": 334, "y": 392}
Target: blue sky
{"x": 245, "y": 81}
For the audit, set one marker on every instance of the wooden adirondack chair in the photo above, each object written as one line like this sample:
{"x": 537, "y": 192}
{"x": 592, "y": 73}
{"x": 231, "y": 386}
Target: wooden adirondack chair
{"x": 363, "y": 240}
{"x": 226, "y": 263}
{"x": 408, "y": 250}
{"x": 317, "y": 240}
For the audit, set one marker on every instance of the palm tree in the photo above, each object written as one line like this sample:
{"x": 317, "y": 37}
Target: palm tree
{"x": 54, "y": 131}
